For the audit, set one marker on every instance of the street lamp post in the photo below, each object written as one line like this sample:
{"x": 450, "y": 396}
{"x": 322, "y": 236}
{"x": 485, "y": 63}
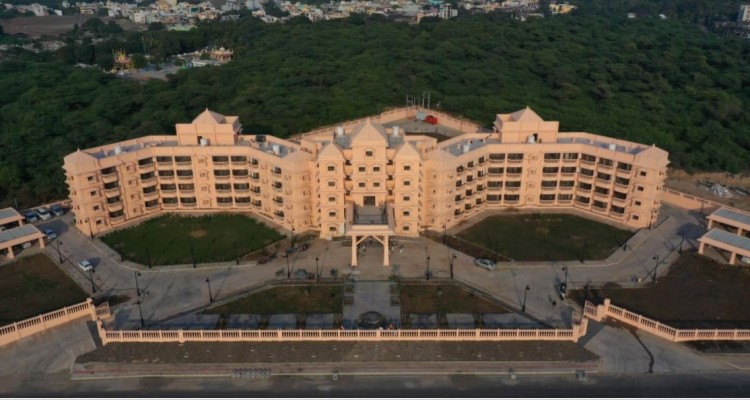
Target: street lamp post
{"x": 445, "y": 234}
{"x": 427, "y": 273}
{"x": 91, "y": 278}
{"x": 523, "y": 306}
{"x": 236, "y": 255}
{"x": 656, "y": 257}
{"x": 91, "y": 230}
{"x": 192, "y": 255}
{"x": 140, "y": 312}
{"x": 288, "y": 271}
{"x": 136, "y": 274}
{"x": 451, "y": 259}
{"x": 292, "y": 237}
{"x": 317, "y": 270}
{"x": 59, "y": 253}
{"x": 682, "y": 239}
{"x": 566, "y": 275}
{"x": 210, "y": 296}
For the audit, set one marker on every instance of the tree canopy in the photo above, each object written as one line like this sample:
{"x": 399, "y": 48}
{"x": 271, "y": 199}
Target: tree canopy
{"x": 648, "y": 80}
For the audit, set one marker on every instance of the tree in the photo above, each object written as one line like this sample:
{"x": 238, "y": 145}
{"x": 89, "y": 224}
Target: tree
{"x": 139, "y": 61}
{"x": 156, "y": 26}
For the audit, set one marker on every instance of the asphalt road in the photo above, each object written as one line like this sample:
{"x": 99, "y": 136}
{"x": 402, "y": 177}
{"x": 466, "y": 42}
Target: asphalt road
{"x": 632, "y": 385}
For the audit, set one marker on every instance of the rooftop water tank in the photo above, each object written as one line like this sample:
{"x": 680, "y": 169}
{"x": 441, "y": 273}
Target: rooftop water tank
{"x": 276, "y": 149}
{"x": 466, "y": 147}
{"x": 421, "y": 115}
{"x": 118, "y": 149}
{"x": 612, "y": 146}
{"x": 395, "y": 131}
{"x": 204, "y": 142}
{"x": 530, "y": 139}
{"x": 339, "y": 131}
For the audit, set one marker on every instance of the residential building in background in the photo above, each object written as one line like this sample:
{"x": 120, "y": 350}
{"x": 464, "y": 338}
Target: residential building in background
{"x": 744, "y": 14}
{"x": 397, "y": 173}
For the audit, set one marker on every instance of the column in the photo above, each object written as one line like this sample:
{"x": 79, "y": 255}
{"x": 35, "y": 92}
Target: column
{"x": 739, "y": 231}
{"x": 732, "y": 258}
{"x": 11, "y": 254}
{"x": 700, "y": 248}
{"x": 354, "y": 250}
{"x": 41, "y": 243}
{"x": 710, "y": 224}
{"x": 386, "y": 251}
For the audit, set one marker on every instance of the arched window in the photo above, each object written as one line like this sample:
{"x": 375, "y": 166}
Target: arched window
{"x": 407, "y": 182}
{"x": 332, "y": 184}
{"x": 331, "y": 167}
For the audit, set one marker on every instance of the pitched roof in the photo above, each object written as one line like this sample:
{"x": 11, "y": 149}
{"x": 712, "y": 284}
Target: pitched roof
{"x": 369, "y": 133}
{"x": 209, "y": 117}
{"x": 407, "y": 150}
{"x": 330, "y": 151}
{"x": 81, "y": 160}
{"x": 527, "y": 114}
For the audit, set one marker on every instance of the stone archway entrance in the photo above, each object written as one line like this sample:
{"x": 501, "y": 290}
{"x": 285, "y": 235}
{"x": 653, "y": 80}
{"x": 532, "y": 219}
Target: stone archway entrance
{"x": 359, "y": 240}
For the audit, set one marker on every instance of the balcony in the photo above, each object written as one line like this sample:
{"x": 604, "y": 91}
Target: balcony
{"x": 241, "y": 177}
{"x": 599, "y": 209}
{"x": 601, "y": 195}
{"x": 166, "y": 178}
{"x": 241, "y": 190}
{"x": 512, "y": 188}
{"x": 493, "y": 200}
{"x": 185, "y": 177}
{"x": 279, "y": 217}
{"x": 221, "y": 177}
{"x": 112, "y": 192}
{"x": 604, "y": 181}
{"x": 623, "y": 173}
{"x": 255, "y": 178}
{"x": 621, "y": 186}
{"x": 279, "y": 201}
{"x": 146, "y": 167}
{"x": 147, "y": 181}
{"x": 588, "y": 162}
{"x": 151, "y": 195}
{"x": 581, "y": 204}
{"x": 220, "y": 163}
{"x": 566, "y": 188}
{"x": 164, "y": 163}
{"x": 224, "y": 205}
{"x": 583, "y": 190}
{"x": 184, "y": 163}
{"x": 114, "y": 206}
{"x": 494, "y": 188}
{"x": 480, "y": 190}
{"x": 109, "y": 178}
{"x": 549, "y": 188}
{"x": 169, "y": 191}
{"x": 606, "y": 167}
{"x": 512, "y": 175}
{"x": 546, "y": 202}
{"x": 566, "y": 201}
{"x": 549, "y": 174}
{"x": 242, "y": 205}
{"x": 187, "y": 191}
{"x": 568, "y": 173}
{"x": 569, "y": 160}
{"x": 276, "y": 174}
{"x": 169, "y": 205}
{"x": 224, "y": 190}
{"x": 257, "y": 205}
{"x": 587, "y": 178}
{"x": 515, "y": 161}
{"x": 238, "y": 163}
{"x": 615, "y": 200}
{"x": 551, "y": 160}
{"x": 152, "y": 208}
{"x": 494, "y": 173}
{"x": 510, "y": 201}
{"x": 117, "y": 220}
{"x": 493, "y": 161}
{"x": 278, "y": 189}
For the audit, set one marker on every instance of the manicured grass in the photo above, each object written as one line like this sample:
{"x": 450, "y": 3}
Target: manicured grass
{"x": 324, "y": 299}
{"x": 443, "y": 298}
{"x": 35, "y": 285}
{"x": 167, "y": 240}
{"x": 696, "y": 293}
{"x": 545, "y": 237}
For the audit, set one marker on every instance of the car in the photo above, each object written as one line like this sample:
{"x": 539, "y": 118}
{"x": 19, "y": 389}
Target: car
{"x": 85, "y": 265}
{"x": 304, "y": 246}
{"x": 487, "y": 264}
{"x": 43, "y": 213}
{"x": 31, "y": 217}
{"x": 57, "y": 210}
{"x": 50, "y": 233}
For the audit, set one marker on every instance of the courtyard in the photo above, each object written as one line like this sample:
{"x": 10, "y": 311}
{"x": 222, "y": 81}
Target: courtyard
{"x": 697, "y": 292}
{"x": 425, "y": 298}
{"x": 540, "y": 237}
{"x": 35, "y": 285}
{"x": 172, "y": 239}
{"x": 287, "y": 299}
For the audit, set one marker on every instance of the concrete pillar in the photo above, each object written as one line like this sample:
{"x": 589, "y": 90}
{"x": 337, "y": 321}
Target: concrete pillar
{"x": 739, "y": 231}
{"x": 41, "y": 243}
{"x": 732, "y": 258}
{"x": 386, "y": 252}
{"x": 11, "y": 254}
{"x": 710, "y": 224}
{"x": 700, "y": 248}
{"x": 354, "y": 250}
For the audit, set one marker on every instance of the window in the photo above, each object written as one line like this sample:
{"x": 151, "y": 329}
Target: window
{"x": 639, "y": 188}
{"x": 407, "y": 198}
{"x": 406, "y": 227}
{"x": 635, "y": 217}
{"x": 368, "y": 153}
{"x": 332, "y": 214}
{"x": 332, "y": 228}
{"x": 407, "y": 213}
{"x": 407, "y": 183}
{"x": 642, "y": 173}
{"x": 96, "y": 208}
{"x": 90, "y": 178}
{"x": 362, "y": 168}
{"x": 637, "y": 203}
{"x": 93, "y": 193}
{"x": 376, "y": 169}
{"x": 331, "y": 199}
{"x": 407, "y": 167}
{"x": 331, "y": 183}
{"x": 361, "y": 184}
{"x": 331, "y": 168}
{"x": 376, "y": 184}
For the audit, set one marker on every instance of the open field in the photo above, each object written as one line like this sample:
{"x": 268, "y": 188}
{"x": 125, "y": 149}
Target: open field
{"x": 545, "y": 237}
{"x": 35, "y": 285}
{"x": 36, "y": 27}
{"x": 443, "y": 298}
{"x": 172, "y": 239}
{"x": 319, "y": 298}
{"x": 696, "y": 293}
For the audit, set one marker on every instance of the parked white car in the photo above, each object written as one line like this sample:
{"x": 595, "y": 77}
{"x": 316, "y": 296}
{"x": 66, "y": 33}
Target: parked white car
{"x": 43, "y": 213}
{"x": 85, "y": 265}
{"x": 489, "y": 265}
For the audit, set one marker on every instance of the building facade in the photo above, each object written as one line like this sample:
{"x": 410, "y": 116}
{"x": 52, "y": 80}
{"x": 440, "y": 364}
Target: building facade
{"x": 390, "y": 174}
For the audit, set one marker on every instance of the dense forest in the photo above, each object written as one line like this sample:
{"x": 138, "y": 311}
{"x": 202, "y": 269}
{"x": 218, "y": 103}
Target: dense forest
{"x": 649, "y": 80}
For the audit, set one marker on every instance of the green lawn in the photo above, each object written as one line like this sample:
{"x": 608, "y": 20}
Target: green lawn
{"x": 443, "y": 298}
{"x": 545, "y": 237}
{"x": 696, "y": 293}
{"x": 324, "y": 299}
{"x": 168, "y": 240}
{"x": 35, "y": 285}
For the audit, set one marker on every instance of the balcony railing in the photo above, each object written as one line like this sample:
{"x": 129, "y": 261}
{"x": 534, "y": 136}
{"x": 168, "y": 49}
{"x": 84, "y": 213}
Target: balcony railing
{"x": 551, "y": 160}
{"x": 546, "y": 201}
{"x": 241, "y": 190}
{"x": 189, "y": 205}
{"x": 493, "y": 201}
{"x": 183, "y": 163}
{"x": 515, "y": 161}
{"x": 169, "y": 205}
{"x": 512, "y": 175}
{"x": 164, "y": 163}
{"x": 221, "y": 177}
{"x": 223, "y": 190}
{"x": 510, "y": 201}
{"x": 152, "y": 208}
{"x": 549, "y": 188}
{"x": 604, "y": 181}
{"x": 494, "y": 188}
{"x": 239, "y": 162}
{"x": 241, "y": 177}
{"x": 587, "y": 162}
{"x": 601, "y": 195}
{"x": 166, "y": 177}
{"x": 168, "y": 191}
{"x": 621, "y": 185}
{"x": 566, "y": 187}
{"x": 244, "y": 205}
{"x": 496, "y": 161}
{"x": 109, "y": 178}
{"x": 512, "y": 188}
{"x": 114, "y": 206}
{"x": 187, "y": 191}
{"x": 150, "y": 195}
{"x": 569, "y": 160}
{"x": 278, "y": 201}
{"x": 256, "y": 205}
{"x": 224, "y": 205}
{"x": 185, "y": 177}
{"x": 146, "y": 167}
{"x": 582, "y": 204}
{"x": 221, "y": 163}
{"x": 148, "y": 180}
{"x": 564, "y": 200}
{"x": 116, "y": 220}
{"x": 112, "y": 192}
{"x": 605, "y": 166}
{"x": 549, "y": 174}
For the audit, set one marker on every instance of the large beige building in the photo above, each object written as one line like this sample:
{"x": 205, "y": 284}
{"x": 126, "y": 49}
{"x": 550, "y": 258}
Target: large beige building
{"x": 386, "y": 175}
